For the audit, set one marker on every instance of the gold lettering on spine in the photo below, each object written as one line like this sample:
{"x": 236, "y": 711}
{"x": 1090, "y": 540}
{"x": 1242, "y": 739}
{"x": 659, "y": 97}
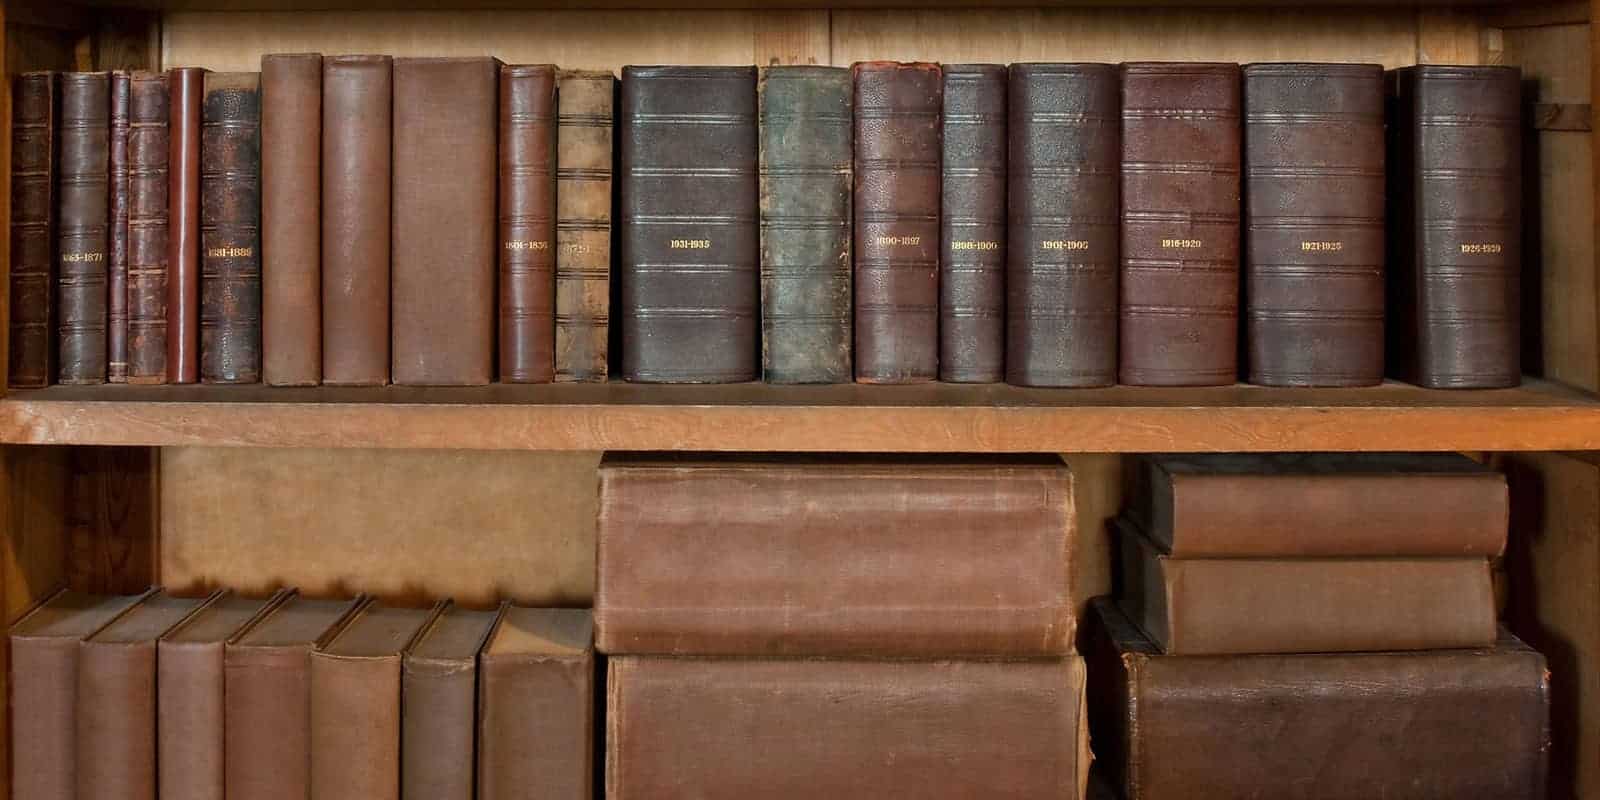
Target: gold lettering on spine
{"x": 974, "y": 245}
{"x": 1064, "y": 244}
{"x": 1321, "y": 247}
{"x": 1483, "y": 249}
{"x": 1182, "y": 244}
{"x": 899, "y": 241}
{"x": 523, "y": 244}
{"x": 83, "y": 258}
{"x": 231, "y": 252}
{"x": 690, "y": 244}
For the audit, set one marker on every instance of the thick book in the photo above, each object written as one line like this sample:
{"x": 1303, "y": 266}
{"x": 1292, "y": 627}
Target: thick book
{"x": 117, "y": 235}
{"x": 357, "y": 131}
{"x": 584, "y": 100}
{"x": 446, "y": 117}
{"x": 84, "y": 225}
{"x": 1219, "y": 606}
{"x": 45, "y": 648}
{"x": 1063, "y": 227}
{"x": 117, "y": 700}
{"x": 1314, "y": 242}
{"x": 897, "y": 221}
{"x": 1291, "y": 505}
{"x": 848, "y": 730}
{"x": 972, "y": 224}
{"x": 230, "y": 228}
{"x": 439, "y": 700}
{"x": 186, "y": 100}
{"x": 806, "y": 166}
{"x": 1455, "y": 260}
{"x": 35, "y": 159}
{"x": 149, "y": 141}
{"x": 835, "y": 555}
{"x": 291, "y": 219}
{"x": 690, "y": 235}
{"x": 1335, "y": 726}
{"x": 536, "y": 705}
{"x": 1180, "y": 224}
{"x": 527, "y": 223}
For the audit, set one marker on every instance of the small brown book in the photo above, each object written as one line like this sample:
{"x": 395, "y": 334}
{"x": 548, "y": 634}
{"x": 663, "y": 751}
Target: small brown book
{"x": 84, "y": 225}
{"x": 117, "y": 234}
{"x": 35, "y": 159}
{"x": 527, "y": 223}
{"x": 583, "y": 224}
{"x": 230, "y": 229}
{"x": 149, "y": 146}
{"x": 972, "y": 224}
{"x": 439, "y": 703}
{"x": 357, "y": 132}
{"x": 183, "y": 225}
{"x": 536, "y": 705}
{"x": 291, "y": 219}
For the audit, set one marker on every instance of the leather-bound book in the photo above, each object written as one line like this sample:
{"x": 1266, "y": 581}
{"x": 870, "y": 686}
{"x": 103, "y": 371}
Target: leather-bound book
{"x": 806, "y": 166}
{"x": 35, "y": 143}
{"x": 148, "y": 152}
{"x": 835, "y": 555}
{"x": 291, "y": 219}
{"x": 897, "y": 221}
{"x": 187, "y": 96}
{"x": 783, "y": 729}
{"x": 583, "y": 224}
{"x": 690, "y": 235}
{"x": 537, "y": 705}
{"x": 1456, "y": 232}
{"x": 527, "y": 223}
{"x": 972, "y": 224}
{"x": 446, "y": 117}
{"x": 1334, "y": 726}
{"x": 267, "y": 700}
{"x": 1063, "y": 228}
{"x": 230, "y": 229}
{"x": 117, "y": 700}
{"x": 1218, "y": 606}
{"x": 1180, "y": 224}
{"x": 84, "y": 227}
{"x": 439, "y": 699}
{"x": 355, "y": 704}
{"x": 1290, "y": 505}
{"x": 357, "y": 130}
{"x": 45, "y": 648}
{"x": 117, "y": 235}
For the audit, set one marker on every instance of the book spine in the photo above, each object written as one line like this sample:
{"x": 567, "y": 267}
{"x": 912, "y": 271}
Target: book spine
{"x": 36, "y": 110}
{"x": 690, "y": 235}
{"x": 116, "y": 758}
{"x": 355, "y": 728}
{"x": 230, "y": 229}
{"x": 187, "y": 96}
{"x": 267, "y": 741}
{"x": 440, "y": 698}
{"x": 806, "y": 165}
{"x": 84, "y": 225}
{"x": 583, "y": 225}
{"x": 527, "y": 223}
{"x": 972, "y": 229}
{"x": 43, "y": 730}
{"x": 291, "y": 219}
{"x": 190, "y": 718}
{"x": 897, "y": 222}
{"x": 1180, "y": 224}
{"x": 148, "y": 150}
{"x": 117, "y": 237}
{"x": 357, "y": 130}
{"x": 536, "y": 726}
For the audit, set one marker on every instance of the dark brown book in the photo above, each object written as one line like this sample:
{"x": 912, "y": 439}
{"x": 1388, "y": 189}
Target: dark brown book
{"x": 1340, "y": 726}
{"x": 1180, "y": 224}
{"x": 291, "y": 219}
{"x": 972, "y": 224}
{"x": 439, "y": 703}
{"x": 897, "y": 221}
{"x": 45, "y": 647}
{"x": 149, "y": 146}
{"x": 690, "y": 234}
{"x": 84, "y": 226}
{"x": 583, "y": 224}
{"x": 357, "y": 131}
{"x": 117, "y": 236}
{"x": 846, "y": 730}
{"x": 1456, "y": 235}
{"x": 843, "y": 556}
{"x": 1063, "y": 228}
{"x": 446, "y": 117}
{"x": 527, "y": 223}
{"x": 187, "y": 96}
{"x": 35, "y": 151}
{"x": 536, "y": 705}
{"x": 230, "y": 229}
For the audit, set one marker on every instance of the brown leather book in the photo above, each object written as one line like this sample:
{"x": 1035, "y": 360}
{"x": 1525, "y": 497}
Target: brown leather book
{"x": 1314, "y": 246}
{"x": 1219, "y": 606}
{"x": 583, "y": 224}
{"x": 1456, "y": 235}
{"x": 230, "y": 229}
{"x": 187, "y": 96}
{"x": 446, "y": 117}
{"x": 291, "y": 219}
{"x": 536, "y": 705}
{"x": 35, "y": 150}
{"x": 1180, "y": 224}
{"x": 1291, "y": 505}
{"x": 45, "y": 647}
{"x": 972, "y": 224}
{"x": 117, "y": 236}
{"x": 439, "y": 703}
{"x": 148, "y": 151}
{"x": 835, "y": 555}
{"x": 847, "y": 730}
{"x": 357, "y": 130}
{"x": 527, "y": 223}
{"x": 897, "y": 221}
{"x": 117, "y": 700}
{"x": 1339, "y": 726}
{"x": 355, "y": 704}
{"x": 267, "y": 702}
{"x": 690, "y": 235}
{"x": 84, "y": 227}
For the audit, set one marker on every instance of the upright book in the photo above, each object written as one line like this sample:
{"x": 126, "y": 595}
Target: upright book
{"x": 357, "y": 132}
{"x": 583, "y": 224}
{"x": 230, "y": 229}
{"x": 536, "y": 705}
{"x": 291, "y": 219}
{"x": 183, "y": 224}
{"x": 439, "y": 695}
{"x": 527, "y": 223}
{"x": 972, "y": 224}
{"x": 149, "y": 141}
{"x": 84, "y": 230}
{"x": 117, "y": 235}
{"x": 35, "y": 156}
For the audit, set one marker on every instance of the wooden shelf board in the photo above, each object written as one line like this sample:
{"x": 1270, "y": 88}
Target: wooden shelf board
{"x": 755, "y": 417}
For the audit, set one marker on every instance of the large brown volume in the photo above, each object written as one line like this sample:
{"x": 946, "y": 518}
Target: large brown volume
{"x": 357, "y": 130}
{"x": 149, "y": 146}
{"x": 972, "y": 225}
{"x": 537, "y": 705}
{"x": 84, "y": 227}
{"x": 527, "y": 223}
{"x": 183, "y": 225}
{"x": 583, "y": 225}
{"x": 230, "y": 229}
{"x": 439, "y": 695}
{"x": 291, "y": 219}
{"x": 35, "y": 116}
{"x": 117, "y": 235}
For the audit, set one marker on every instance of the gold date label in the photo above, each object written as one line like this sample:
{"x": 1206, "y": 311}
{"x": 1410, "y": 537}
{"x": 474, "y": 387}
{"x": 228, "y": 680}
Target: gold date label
{"x": 524, "y": 244}
{"x": 690, "y": 244}
{"x": 231, "y": 252}
{"x": 575, "y": 249}
{"x": 1482, "y": 249}
{"x": 1321, "y": 247}
{"x": 964, "y": 245}
{"x": 1182, "y": 244}
{"x": 83, "y": 258}
{"x": 1064, "y": 244}
{"x": 899, "y": 241}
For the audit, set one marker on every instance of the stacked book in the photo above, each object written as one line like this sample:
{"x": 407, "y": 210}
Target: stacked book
{"x": 1299, "y": 626}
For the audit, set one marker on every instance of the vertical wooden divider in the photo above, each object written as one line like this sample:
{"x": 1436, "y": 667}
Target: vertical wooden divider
{"x": 112, "y": 519}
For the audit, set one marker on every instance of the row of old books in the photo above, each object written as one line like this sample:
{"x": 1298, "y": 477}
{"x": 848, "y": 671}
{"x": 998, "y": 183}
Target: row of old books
{"x": 362, "y": 220}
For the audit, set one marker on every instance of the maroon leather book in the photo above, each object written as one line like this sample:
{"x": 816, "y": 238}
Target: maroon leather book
{"x": 527, "y": 223}
{"x": 35, "y": 118}
{"x": 291, "y": 219}
{"x": 230, "y": 229}
{"x": 972, "y": 224}
{"x": 84, "y": 230}
{"x": 357, "y": 134}
{"x": 183, "y": 225}
{"x": 148, "y": 152}
{"x": 117, "y": 237}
